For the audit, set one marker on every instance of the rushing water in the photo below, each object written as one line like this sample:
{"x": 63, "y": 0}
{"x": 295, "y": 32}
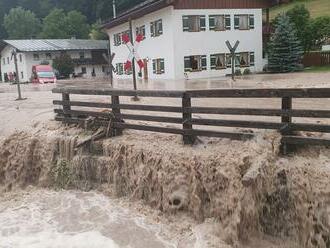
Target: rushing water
{"x": 47, "y": 219}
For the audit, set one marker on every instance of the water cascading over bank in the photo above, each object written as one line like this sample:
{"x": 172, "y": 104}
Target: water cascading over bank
{"x": 246, "y": 186}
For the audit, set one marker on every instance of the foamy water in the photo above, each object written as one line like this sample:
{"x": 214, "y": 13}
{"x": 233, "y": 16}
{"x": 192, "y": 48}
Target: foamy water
{"x": 47, "y": 219}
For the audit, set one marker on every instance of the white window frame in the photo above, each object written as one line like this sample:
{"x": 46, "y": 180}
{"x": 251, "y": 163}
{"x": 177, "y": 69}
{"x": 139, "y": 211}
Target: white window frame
{"x": 250, "y": 22}
{"x": 226, "y": 22}
{"x": 141, "y": 30}
{"x": 158, "y": 66}
{"x": 127, "y": 32}
{"x": 117, "y": 39}
{"x": 156, "y": 28}
{"x": 249, "y": 57}
{"x": 214, "y": 58}
{"x": 81, "y": 55}
{"x": 36, "y": 57}
{"x": 48, "y": 56}
{"x": 201, "y": 63}
{"x": 119, "y": 68}
{"x": 198, "y": 20}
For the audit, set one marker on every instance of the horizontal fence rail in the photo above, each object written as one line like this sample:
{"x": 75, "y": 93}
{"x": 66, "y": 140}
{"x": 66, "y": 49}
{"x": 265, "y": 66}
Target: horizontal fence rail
{"x": 185, "y": 124}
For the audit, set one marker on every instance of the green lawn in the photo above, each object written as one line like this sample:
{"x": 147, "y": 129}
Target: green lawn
{"x": 316, "y": 7}
{"x": 318, "y": 69}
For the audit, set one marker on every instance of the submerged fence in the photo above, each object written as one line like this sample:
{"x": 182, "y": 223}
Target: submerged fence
{"x": 186, "y": 123}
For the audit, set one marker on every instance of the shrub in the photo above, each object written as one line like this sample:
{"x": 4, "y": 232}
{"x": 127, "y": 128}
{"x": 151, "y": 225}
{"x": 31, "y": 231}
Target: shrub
{"x": 64, "y": 65}
{"x": 238, "y": 72}
{"x": 247, "y": 71}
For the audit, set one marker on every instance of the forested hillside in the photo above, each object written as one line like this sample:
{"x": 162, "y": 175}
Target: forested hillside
{"x": 94, "y": 10}
{"x": 316, "y": 8}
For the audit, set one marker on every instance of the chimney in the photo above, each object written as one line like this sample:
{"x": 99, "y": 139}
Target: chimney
{"x": 114, "y": 9}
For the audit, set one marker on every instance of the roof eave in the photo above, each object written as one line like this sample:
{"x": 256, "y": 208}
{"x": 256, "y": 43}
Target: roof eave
{"x": 136, "y": 13}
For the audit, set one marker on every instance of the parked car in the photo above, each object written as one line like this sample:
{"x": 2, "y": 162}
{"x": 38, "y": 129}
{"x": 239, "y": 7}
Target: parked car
{"x": 42, "y": 74}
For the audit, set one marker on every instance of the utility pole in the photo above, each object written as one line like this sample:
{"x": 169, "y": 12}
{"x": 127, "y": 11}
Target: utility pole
{"x": 133, "y": 60}
{"x": 232, "y": 52}
{"x": 14, "y": 54}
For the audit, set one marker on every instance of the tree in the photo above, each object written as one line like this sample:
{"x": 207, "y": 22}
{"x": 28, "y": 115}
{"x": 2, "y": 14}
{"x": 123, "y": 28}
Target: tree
{"x": 285, "y": 50}
{"x": 64, "y": 65}
{"x": 59, "y": 25}
{"x": 97, "y": 33}
{"x": 54, "y": 25}
{"x": 21, "y": 24}
{"x": 321, "y": 31}
{"x": 77, "y": 25}
{"x": 300, "y": 18}
{"x": 92, "y": 9}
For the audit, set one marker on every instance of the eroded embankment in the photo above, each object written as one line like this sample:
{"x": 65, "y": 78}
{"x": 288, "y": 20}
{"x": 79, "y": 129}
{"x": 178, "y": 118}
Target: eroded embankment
{"x": 246, "y": 186}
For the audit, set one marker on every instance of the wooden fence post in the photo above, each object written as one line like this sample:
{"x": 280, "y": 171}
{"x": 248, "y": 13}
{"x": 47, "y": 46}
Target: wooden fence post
{"x": 66, "y": 107}
{"x": 116, "y": 112}
{"x": 188, "y": 139}
{"x": 286, "y": 105}
{"x": 286, "y": 121}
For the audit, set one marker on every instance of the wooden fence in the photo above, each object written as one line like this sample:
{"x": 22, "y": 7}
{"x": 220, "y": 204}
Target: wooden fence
{"x": 316, "y": 59}
{"x": 188, "y": 122}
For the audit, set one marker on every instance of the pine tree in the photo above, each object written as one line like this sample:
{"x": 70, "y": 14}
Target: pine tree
{"x": 285, "y": 50}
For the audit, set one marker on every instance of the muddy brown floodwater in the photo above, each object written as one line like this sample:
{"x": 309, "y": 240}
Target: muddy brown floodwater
{"x": 148, "y": 190}
{"x": 44, "y": 218}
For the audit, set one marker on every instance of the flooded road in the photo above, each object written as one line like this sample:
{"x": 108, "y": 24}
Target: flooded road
{"x": 49, "y": 219}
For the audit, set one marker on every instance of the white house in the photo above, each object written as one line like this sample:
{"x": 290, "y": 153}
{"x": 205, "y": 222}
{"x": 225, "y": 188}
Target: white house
{"x": 87, "y": 56}
{"x": 186, "y": 38}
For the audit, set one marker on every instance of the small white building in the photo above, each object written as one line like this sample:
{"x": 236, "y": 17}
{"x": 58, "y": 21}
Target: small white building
{"x": 326, "y": 48}
{"x": 87, "y": 56}
{"x": 186, "y": 38}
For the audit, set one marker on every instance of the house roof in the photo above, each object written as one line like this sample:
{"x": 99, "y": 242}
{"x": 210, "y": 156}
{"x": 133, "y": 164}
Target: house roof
{"x": 137, "y": 11}
{"x": 150, "y": 6}
{"x": 55, "y": 45}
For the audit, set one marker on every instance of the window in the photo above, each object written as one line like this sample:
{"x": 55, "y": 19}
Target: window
{"x": 195, "y": 63}
{"x": 35, "y": 56}
{"x": 3, "y": 61}
{"x": 81, "y": 55}
{"x": 245, "y": 59}
{"x": 8, "y": 60}
{"x": 20, "y": 58}
{"x": 141, "y": 31}
{"x": 158, "y": 66}
{"x": 117, "y": 39}
{"x": 218, "y": 61}
{"x": 22, "y": 75}
{"x": 228, "y": 60}
{"x": 48, "y": 56}
{"x": 83, "y": 70}
{"x": 128, "y": 71}
{"x": 119, "y": 68}
{"x": 104, "y": 68}
{"x": 156, "y": 28}
{"x": 194, "y": 23}
{"x": 244, "y": 22}
{"x": 127, "y": 32}
{"x": 252, "y": 59}
{"x": 219, "y": 22}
